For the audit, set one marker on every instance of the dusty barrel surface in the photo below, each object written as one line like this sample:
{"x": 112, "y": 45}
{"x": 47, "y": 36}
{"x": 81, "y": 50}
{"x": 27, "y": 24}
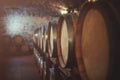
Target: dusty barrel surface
{"x": 52, "y": 39}
{"x": 97, "y": 42}
{"x": 66, "y": 40}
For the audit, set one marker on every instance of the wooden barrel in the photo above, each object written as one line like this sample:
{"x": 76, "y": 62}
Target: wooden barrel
{"x": 41, "y": 38}
{"x": 36, "y": 39}
{"x": 56, "y": 74}
{"x": 35, "y": 52}
{"x": 97, "y": 42}
{"x": 5, "y": 43}
{"x": 41, "y": 66}
{"x": 18, "y": 40}
{"x": 13, "y": 49}
{"x": 25, "y": 48}
{"x": 45, "y": 38}
{"x": 52, "y": 73}
{"x": 66, "y": 41}
{"x": 6, "y": 40}
{"x": 44, "y": 70}
{"x": 52, "y": 39}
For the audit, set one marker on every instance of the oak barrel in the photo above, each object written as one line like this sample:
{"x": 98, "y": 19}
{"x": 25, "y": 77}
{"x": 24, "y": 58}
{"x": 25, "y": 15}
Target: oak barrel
{"x": 41, "y": 66}
{"x": 6, "y": 40}
{"x": 18, "y": 40}
{"x": 66, "y": 40}
{"x": 45, "y": 39}
{"x": 25, "y": 48}
{"x": 36, "y": 37}
{"x": 41, "y": 38}
{"x": 13, "y": 49}
{"x": 52, "y": 39}
{"x": 97, "y": 42}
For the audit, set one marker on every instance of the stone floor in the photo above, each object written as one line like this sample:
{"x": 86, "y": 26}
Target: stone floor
{"x": 18, "y": 68}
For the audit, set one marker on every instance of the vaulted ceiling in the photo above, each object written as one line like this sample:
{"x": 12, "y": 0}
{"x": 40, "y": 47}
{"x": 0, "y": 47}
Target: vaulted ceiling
{"x": 49, "y": 6}
{"x": 45, "y": 8}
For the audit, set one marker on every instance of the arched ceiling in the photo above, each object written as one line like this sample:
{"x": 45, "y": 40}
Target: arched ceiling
{"x": 46, "y": 6}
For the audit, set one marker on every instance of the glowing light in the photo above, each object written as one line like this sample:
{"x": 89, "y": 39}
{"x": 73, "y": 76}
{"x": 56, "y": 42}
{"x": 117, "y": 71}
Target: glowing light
{"x": 19, "y": 24}
{"x": 42, "y": 36}
{"x": 14, "y": 24}
{"x": 61, "y": 8}
{"x": 89, "y": 0}
{"x": 92, "y": 0}
{"x": 63, "y": 12}
{"x": 36, "y": 35}
{"x": 46, "y": 36}
{"x": 76, "y": 12}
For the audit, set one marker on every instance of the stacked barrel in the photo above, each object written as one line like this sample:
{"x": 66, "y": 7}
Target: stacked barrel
{"x": 5, "y": 44}
{"x": 84, "y": 46}
{"x": 14, "y": 45}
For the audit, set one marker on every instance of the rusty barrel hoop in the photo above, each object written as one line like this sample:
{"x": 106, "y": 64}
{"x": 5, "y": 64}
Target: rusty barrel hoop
{"x": 97, "y": 42}
{"x": 66, "y": 40}
{"x": 52, "y": 39}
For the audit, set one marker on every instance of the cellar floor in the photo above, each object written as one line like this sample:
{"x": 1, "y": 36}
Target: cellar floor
{"x": 18, "y": 68}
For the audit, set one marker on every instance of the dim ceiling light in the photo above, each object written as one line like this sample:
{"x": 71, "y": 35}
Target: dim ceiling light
{"x": 14, "y": 24}
{"x": 42, "y": 36}
{"x": 89, "y": 0}
{"x": 63, "y": 11}
{"x": 63, "y": 7}
{"x": 92, "y": 0}
{"x": 46, "y": 36}
{"x": 36, "y": 35}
